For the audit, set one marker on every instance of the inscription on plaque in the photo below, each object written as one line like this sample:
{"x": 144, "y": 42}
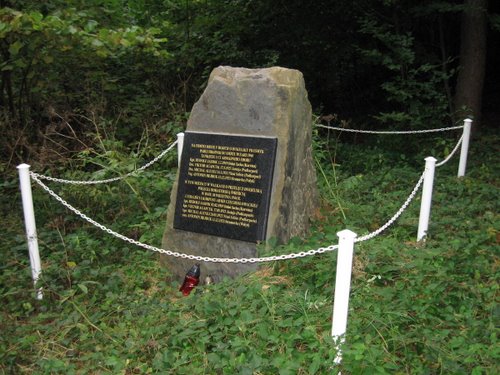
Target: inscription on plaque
{"x": 225, "y": 185}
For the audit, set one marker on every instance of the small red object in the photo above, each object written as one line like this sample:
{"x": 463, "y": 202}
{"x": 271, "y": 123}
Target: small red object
{"x": 191, "y": 279}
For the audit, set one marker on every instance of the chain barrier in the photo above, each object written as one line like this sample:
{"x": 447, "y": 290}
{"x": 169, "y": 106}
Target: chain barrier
{"x": 376, "y": 232}
{"x": 37, "y": 177}
{"x": 164, "y": 152}
{"x": 388, "y": 131}
{"x": 443, "y": 162}
{"x": 226, "y": 260}
{"x": 174, "y": 253}
{"x": 95, "y": 182}
{"x": 410, "y": 197}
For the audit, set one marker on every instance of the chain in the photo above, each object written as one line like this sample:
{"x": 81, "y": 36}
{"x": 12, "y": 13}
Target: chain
{"x": 301, "y": 254}
{"x": 443, "y": 162}
{"x": 174, "y": 253}
{"x": 77, "y": 182}
{"x": 408, "y": 200}
{"x": 37, "y": 177}
{"x": 396, "y": 215}
{"x": 164, "y": 152}
{"x": 390, "y": 132}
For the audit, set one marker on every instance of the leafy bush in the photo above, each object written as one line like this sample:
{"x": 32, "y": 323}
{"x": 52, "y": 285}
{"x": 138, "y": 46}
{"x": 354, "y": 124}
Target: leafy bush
{"x": 414, "y": 308}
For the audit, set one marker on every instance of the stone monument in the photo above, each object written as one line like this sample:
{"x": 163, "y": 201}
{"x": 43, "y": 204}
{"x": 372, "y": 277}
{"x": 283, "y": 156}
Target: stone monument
{"x": 247, "y": 173}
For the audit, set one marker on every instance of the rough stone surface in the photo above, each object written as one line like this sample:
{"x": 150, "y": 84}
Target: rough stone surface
{"x": 259, "y": 102}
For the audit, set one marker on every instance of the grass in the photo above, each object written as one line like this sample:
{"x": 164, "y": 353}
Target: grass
{"x": 414, "y": 309}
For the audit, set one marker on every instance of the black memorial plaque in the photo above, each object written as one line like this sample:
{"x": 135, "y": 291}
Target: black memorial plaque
{"x": 225, "y": 185}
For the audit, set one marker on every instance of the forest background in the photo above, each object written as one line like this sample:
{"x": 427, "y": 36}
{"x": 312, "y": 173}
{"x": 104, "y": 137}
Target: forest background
{"x": 67, "y": 64}
{"x": 93, "y": 89}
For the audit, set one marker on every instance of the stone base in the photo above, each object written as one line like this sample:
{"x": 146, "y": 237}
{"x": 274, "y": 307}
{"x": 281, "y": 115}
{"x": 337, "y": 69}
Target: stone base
{"x": 268, "y": 102}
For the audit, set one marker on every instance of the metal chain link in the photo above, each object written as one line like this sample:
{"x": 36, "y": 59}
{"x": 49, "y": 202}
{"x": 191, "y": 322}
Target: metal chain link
{"x": 79, "y": 182}
{"x": 228, "y": 260}
{"x": 37, "y": 177}
{"x": 408, "y": 200}
{"x": 396, "y": 215}
{"x": 177, "y": 254}
{"x": 164, "y": 152}
{"x": 443, "y": 162}
{"x": 390, "y": 132}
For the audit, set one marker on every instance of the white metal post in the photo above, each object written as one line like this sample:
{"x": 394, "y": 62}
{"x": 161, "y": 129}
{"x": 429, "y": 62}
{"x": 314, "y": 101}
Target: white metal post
{"x": 180, "y": 146}
{"x": 29, "y": 221}
{"x": 425, "y": 205}
{"x": 342, "y": 288}
{"x": 465, "y": 147}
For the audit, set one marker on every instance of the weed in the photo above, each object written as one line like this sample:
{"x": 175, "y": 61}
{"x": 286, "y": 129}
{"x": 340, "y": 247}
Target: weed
{"x": 414, "y": 309}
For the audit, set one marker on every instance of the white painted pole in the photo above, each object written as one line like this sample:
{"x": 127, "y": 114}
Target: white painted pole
{"x": 425, "y": 205}
{"x": 29, "y": 221}
{"x": 342, "y": 288}
{"x": 465, "y": 147}
{"x": 180, "y": 146}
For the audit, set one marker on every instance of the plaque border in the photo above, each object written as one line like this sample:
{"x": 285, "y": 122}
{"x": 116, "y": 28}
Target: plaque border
{"x": 257, "y": 232}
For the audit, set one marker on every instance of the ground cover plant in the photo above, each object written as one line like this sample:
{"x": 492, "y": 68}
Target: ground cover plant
{"x": 110, "y": 307}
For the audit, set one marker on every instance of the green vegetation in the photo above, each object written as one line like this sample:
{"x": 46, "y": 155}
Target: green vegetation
{"x": 65, "y": 65}
{"x": 108, "y": 306}
{"x": 93, "y": 89}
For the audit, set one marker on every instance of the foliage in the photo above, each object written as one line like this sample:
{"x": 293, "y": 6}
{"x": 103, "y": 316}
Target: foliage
{"x": 86, "y": 88}
{"x": 495, "y": 22}
{"x": 33, "y": 43}
{"x": 414, "y": 78}
{"x": 61, "y": 65}
{"x": 69, "y": 64}
{"x": 108, "y": 306}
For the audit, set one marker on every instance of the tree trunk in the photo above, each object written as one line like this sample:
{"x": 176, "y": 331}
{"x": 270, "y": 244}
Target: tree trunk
{"x": 469, "y": 89}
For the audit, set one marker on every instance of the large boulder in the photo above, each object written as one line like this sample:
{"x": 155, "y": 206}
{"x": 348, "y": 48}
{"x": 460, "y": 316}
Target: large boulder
{"x": 269, "y": 102}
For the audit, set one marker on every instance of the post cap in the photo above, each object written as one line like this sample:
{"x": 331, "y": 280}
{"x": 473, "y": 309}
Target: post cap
{"x": 23, "y": 166}
{"x": 346, "y": 233}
